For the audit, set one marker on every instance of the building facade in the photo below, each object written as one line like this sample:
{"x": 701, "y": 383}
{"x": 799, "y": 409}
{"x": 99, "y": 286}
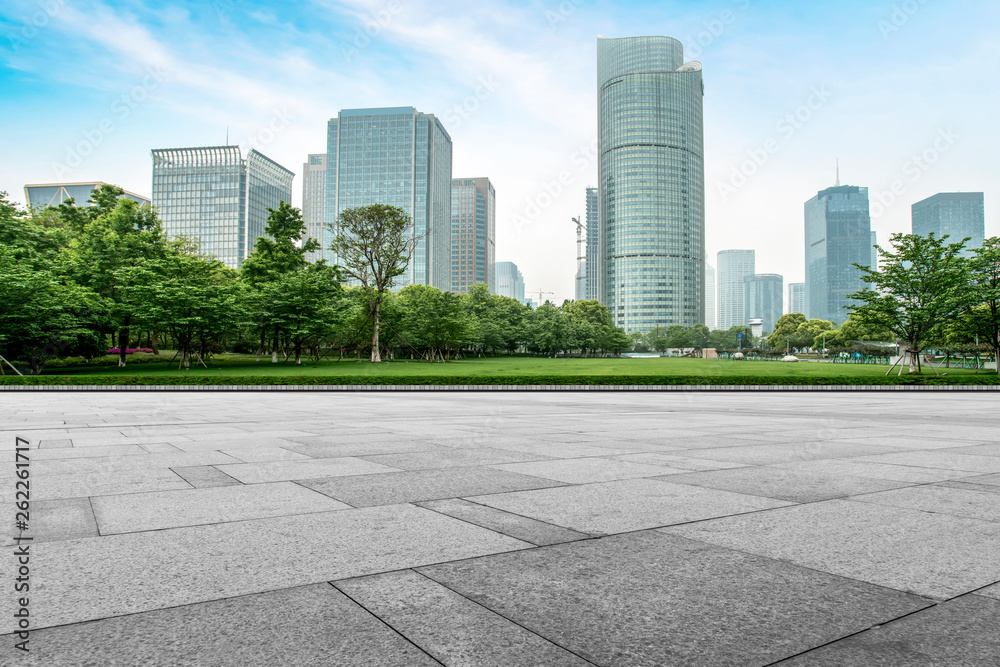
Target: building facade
{"x": 837, "y": 235}
{"x": 733, "y": 268}
{"x": 956, "y": 214}
{"x": 313, "y": 186}
{"x": 797, "y": 298}
{"x": 711, "y": 318}
{"x": 399, "y": 157}
{"x": 593, "y": 256}
{"x": 217, "y": 196}
{"x": 651, "y": 188}
{"x": 764, "y": 299}
{"x": 52, "y": 194}
{"x": 510, "y": 282}
{"x": 473, "y": 233}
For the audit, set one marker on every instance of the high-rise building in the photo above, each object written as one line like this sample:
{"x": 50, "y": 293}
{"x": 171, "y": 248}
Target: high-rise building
{"x": 53, "y": 194}
{"x": 593, "y": 260}
{"x": 733, "y": 268}
{"x": 652, "y": 183}
{"x": 874, "y": 265}
{"x": 764, "y": 298}
{"x": 710, "y": 312}
{"x": 217, "y": 196}
{"x": 797, "y": 298}
{"x": 399, "y": 157}
{"x": 837, "y": 236}
{"x": 510, "y": 282}
{"x": 473, "y": 233}
{"x": 957, "y": 214}
{"x": 313, "y": 199}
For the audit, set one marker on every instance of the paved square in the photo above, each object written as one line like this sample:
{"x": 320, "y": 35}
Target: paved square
{"x": 506, "y": 528}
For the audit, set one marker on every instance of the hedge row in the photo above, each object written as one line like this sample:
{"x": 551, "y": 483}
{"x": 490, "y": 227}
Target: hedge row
{"x": 751, "y": 380}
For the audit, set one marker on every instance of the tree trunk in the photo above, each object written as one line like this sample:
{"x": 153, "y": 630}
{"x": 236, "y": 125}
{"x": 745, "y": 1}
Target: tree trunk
{"x": 154, "y": 342}
{"x": 376, "y": 356}
{"x": 123, "y": 336}
{"x": 298, "y": 354}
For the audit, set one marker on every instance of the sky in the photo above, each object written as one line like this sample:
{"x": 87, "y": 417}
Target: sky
{"x": 903, "y": 94}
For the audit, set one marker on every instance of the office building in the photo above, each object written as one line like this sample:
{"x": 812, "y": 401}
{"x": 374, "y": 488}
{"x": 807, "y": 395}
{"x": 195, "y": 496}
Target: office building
{"x": 797, "y": 298}
{"x": 217, "y": 196}
{"x": 874, "y": 264}
{"x": 733, "y": 268}
{"x": 651, "y": 170}
{"x": 510, "y": 282}
{"x": 313, "y": 199}
{"x": 400, "y": 157}
{"x": 710, "y": 313}
{"x": 473, "y": 233}
{"x": 764, "y": 299}
{"x": 593, "y": 256}
{"x": 955, "y": 214}
{"x": 837, "y": 236}
{"x": 43, "y": 195}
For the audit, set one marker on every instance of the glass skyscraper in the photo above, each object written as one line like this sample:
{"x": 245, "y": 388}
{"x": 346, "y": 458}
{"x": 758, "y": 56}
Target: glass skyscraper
{"x": 838, "y": 235}
{"x": 593, "y": 257}
{"x": 399, "y": 157}
{"x": 764, "y": 298}
{"x": 214, "y": 195}
{"x": 313, "y": 188}
{"x": 734, "y": 267}
{"x": 710, "y": 312}
{"x": 510, "y": 282}
{"x": 652, "y": 220}
{"x": 797, "y": 298}
{"x": 473, "y": 233}
{"x": 957, "y": 214}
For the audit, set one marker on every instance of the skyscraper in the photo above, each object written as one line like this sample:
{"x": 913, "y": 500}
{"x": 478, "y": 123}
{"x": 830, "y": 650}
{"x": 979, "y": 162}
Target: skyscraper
{"x": 593, "y": 261}
{"x": 53, "y": 194}
{"x": 797, "y": 298}
{"x": 957, "y": 214}
{"x": 652, "y": 222}
{"x": 764, "y": 298}
{"x": 473, "y": 233}
{"x": 734, "y": 267}
{"x": 837, "y": 235}
{"x": 510, "y": 282}
{"x": 710, "y": 312}
{"x": 217, "y": 196}
{"x": 313, "y": 187}
{"x": 399, "y": 157}
{"x": 874, "y": 265}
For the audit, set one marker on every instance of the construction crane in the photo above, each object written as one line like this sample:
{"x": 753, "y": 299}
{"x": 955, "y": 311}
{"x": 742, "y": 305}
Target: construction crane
{"x": 580, "y": 257}
{"x": 540, "y": 293}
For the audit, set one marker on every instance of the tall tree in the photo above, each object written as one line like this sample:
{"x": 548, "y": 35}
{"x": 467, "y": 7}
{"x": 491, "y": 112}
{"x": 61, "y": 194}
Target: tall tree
{"x": 921, "y": 283}
{"x": 983, "y": 319}
{"x": 374, "y": 245}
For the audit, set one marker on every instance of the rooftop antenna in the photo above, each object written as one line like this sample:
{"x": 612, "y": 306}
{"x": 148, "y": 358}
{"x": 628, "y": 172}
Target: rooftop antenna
{"x": 838, "y": 172}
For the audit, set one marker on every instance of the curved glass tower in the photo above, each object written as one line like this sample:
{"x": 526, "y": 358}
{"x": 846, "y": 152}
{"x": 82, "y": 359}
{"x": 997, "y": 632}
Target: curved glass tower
{"x": 652, "y": 183}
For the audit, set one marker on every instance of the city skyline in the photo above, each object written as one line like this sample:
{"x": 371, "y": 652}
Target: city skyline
{"x": 514, "y": 85}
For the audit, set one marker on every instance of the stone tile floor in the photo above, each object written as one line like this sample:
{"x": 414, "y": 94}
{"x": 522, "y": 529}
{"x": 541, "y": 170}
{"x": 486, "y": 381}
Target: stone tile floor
{"x": 563, "y": 528}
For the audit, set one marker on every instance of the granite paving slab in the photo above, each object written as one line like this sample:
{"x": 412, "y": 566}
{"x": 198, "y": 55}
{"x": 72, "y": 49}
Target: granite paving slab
{"x": 583, "y": 470}
{"x": 914, "y": 442}
{"x": 137, "y": 480}
{"x": 451, "y": 628}
{"x": 990, "y": 591}
{"x": 973, "y": 504}
{"x": 855, "y": 468}
{"x": 447, "y": 458}
{"x": 962, "y": 632}
{"x": 391, "y": 488}
{"x": 309, "y": 625}
{"x": 280, "y": 471}
{"x": 625, "y": 505}
{"x": 160, "y": 448}
{"x": 806, "y": 451}
{"x": 61, "y": 519}
{"x": 958, "y": 484}
{"x": 107, "y": 464}
{"x": 88, "y": 452}
{"x": 248, "y": 442}
{"x": 88, "y": 579}
{"x": 941, "y": 459}
{"x": 784, "y": 484}
{"x": 640, "y": 599}
{"x": 329, "y": 450}
{"x": 506, "y": 523}
{"x": 130, "y": 513}
{"x": 261, "y": 454}
{"x": 54, "y": 443}
{"x": 935, "y": 555}
{"x": 205, "y": 477}
{"x": 986, "y": 449}
{"x": 679, "y": 464}
{"x": 992, "y": 480}
{"x": 568, "y": 449}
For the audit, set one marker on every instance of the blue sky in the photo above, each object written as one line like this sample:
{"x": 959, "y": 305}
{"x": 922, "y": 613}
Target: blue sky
{"x": 905, "y": 94}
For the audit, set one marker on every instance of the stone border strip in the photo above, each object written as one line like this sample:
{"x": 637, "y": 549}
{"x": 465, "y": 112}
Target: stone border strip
{"x": 501, "y": 387}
